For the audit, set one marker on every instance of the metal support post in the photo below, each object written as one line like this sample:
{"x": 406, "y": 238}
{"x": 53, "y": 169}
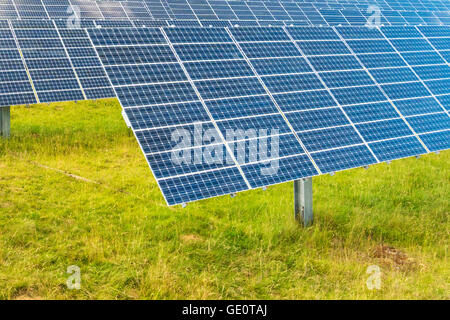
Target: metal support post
{"x": 5, "y": 121}
{"x": 303, "y": 201}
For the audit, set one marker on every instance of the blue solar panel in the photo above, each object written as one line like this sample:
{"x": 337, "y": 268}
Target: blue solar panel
{"x": 217, "y": 110}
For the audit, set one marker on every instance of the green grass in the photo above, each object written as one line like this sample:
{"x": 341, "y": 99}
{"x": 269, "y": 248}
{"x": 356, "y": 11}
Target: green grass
{"x": 130, "y": 245}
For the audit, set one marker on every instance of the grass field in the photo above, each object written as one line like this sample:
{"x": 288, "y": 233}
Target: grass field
{"x": 75, "y": 189}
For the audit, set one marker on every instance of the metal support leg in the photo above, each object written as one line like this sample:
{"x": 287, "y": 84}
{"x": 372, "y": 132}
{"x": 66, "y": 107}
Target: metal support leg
{"x": 303, "y": 201}
{"x": 5, "y": 121}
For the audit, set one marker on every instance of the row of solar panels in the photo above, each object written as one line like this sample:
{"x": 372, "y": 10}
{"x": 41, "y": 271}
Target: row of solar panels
{"x": 309, "y": 13}
{"x": 43, "y": 62}
{"x": 205, "y": 103}
{"x": 325, "y": 99}
{"x": 48, "y": 65}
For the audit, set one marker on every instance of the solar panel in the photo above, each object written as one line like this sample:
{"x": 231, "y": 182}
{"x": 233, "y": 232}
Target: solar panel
{"x": 255, "y": 12}
{"x": 220, "y": 109}
{"x": 15, "y": 87}
{"x": 43, "y": 52}
{"x": 251, "y": 89}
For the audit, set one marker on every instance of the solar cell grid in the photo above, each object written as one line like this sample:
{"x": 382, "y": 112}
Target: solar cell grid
{"x": 334, "y": 103}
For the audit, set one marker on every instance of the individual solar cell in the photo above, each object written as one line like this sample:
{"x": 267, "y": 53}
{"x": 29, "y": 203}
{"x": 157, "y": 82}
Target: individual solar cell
{"x": 165, "y": 139}
{"x": 445, "y": 55}
{"x": 259, "y": 34}
{"x": 203, "y": 185}
{"x": 122, "y": 36}
{"x": 435, "y": 31}
{"x": 270, "y": 124}
{"x": 304, "y": 100}
{"x": 397, "y": 148}
{"x": 393, "y": 75}
{"x": 16, "y": 87}
{"x": 433, "y": 72}
{"x": 34, "y": 33}
{"x": 401, "y": 32}
{"x": 281, "y": 65}
{"x": 32, "y": 24}
{"x": 437, "y": 141}
{"x": 282, "y": 170}
{"x": 445, "y": 101}
{"x": 405, "y": 90}
{"x": 358, "y": 95}
{"x": 396, "y": 20}
{"x": 223, "y": 88}
{"x": 17, "y": 99}
{"x": 359, "y": 33}
{"x": 422, "y": 58}
{"x": 371, "y": 112}
{"x": 323, "y": 47}
{"x": 155, "y": 94}
{"x": 91, "y": 83}
{"x": 62, "y": 95}
{"x": 150, "y": 23}
{"x": 406, "y": 45}
{"x": 114, "y": 23}
{"x": 99, "y": 93}
{"x": 381, "y": 60}
{"x": 382, "y": 130}
{"x": 135, "y": 55}
{"x": 269, "y": 49}
{"x": 53, "y": 85}
{"x": 218, "y": 69}
{"x": 345, "y": 158}
{"x": 8, "y": 65}
{"x": 418, "y": 106}
{"x": 85, "y": 62}
{"x": 312, "y": 33}
{"x": 136, "y": 74}
{"x": 241, "y": 107}
{"x": 330, "y": 138}
{"x": 197, "y": 35}
{"x": 182, "y": 162}
{"x": 13, "y": 76}
{"x": 264, "y": 147}
{"x": 430, "y": 123}
{"x": 10, "y": 54}
{"x": 243, "y": 23}
{"x": 439, "y": 86}
{"x": 81, "y": 52}
{"x": 167, "y": 115}
{"x": 440, "y": 43}
{"x": 316, "y": 119}
{"x": 370, "y": 46}
{"x": 334, "y": 63}
{"x": 295, "y": 82}
{"x": 346, "y": 79}
{"x": 195, "y": 52}
{"x": 215, "y": 23}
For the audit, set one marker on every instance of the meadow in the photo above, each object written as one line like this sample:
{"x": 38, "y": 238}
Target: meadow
{"x": 75, "y": 189}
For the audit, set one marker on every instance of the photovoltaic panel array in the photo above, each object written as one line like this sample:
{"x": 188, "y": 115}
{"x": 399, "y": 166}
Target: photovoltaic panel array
{"x": 210, "y": 12}
{"x": 15, "y": 86}
{"x": 43, "y": 63}
{"x": 329, "y": 99}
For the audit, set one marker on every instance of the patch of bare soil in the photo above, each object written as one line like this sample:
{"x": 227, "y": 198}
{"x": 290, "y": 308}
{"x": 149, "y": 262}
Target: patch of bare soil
{"x": 189, "y": 238}
{"x": 395, "y": 258}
